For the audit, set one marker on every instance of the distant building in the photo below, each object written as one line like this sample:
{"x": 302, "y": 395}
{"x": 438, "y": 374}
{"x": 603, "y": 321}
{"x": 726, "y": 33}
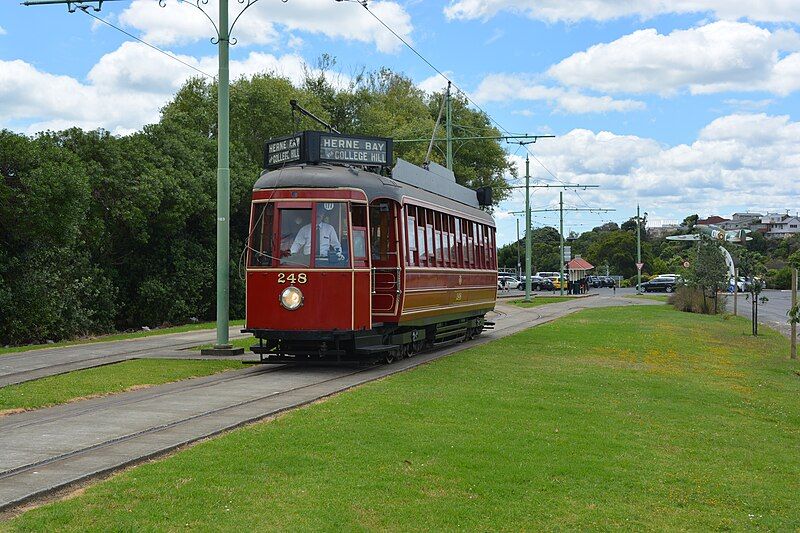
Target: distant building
{"x": 741, "y": 221}
{"x": 713, "y": 219}
{"x": 663, "y": 230}
{"x": 788, "y": 226}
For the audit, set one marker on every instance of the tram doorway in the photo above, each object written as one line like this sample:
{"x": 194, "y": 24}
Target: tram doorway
{"x": 384, "y": 243}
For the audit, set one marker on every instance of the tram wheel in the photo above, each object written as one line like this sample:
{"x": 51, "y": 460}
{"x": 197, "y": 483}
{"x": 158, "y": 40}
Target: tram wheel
{"x": 389, "y": 357}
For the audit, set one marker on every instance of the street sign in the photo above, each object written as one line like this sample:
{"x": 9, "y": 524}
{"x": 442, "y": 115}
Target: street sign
{"x": 567, "y": 253}
{"x": 686, "y": 264}
{"x": 639, "y": 266}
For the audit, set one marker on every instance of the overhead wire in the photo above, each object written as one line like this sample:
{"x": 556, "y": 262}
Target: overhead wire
{"x": 84, "y": 9}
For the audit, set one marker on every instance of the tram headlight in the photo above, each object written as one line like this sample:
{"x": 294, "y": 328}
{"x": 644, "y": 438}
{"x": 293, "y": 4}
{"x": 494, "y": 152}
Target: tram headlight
{"x": 292, "y": 298}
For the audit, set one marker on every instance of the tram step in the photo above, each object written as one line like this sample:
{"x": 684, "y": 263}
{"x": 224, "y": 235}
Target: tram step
{"x": 376, "y": 348}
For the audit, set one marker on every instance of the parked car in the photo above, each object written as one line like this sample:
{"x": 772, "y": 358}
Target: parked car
{"x": 538, "y": 283}
{"x": 662, "y": 283}
{"x": 608, "y": 281}
{"x": 506, "y": 282}
{"x": 600, "y": 281}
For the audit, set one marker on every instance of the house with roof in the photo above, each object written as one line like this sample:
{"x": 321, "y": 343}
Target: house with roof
{"x": 713, "y": 219}
{"x": 788, "y": 226}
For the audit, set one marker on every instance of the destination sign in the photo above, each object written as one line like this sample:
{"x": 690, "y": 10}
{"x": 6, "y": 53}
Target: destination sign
{"x": 283, "y": 151}
{"x": 352, "y": 150}
{"x": 312, "y": 147}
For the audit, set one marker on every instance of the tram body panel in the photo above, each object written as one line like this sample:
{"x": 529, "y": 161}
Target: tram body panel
{"x": 329, "y": 300}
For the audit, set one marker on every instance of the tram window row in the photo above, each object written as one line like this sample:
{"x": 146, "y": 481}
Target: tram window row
{"x": 436, "y": 239}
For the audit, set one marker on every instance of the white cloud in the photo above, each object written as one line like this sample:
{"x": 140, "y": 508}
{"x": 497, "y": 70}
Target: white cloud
{"x": 716, "y": 57}
{"x": 2, "y": 31}
{"x": 260, "y": 24}
{"x": 558, "y": 10}
{"x": 737, "y": 161}
{"x": 505, "y": 87}
{"x": 435, "y": 84}
{"x": 123, "y": 92}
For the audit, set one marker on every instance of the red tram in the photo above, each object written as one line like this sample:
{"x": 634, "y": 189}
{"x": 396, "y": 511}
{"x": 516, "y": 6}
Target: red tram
{"x": 346, "y": 264}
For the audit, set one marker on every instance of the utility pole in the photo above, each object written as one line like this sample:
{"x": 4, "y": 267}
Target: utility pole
{"x": 793, "y": 352}
{"x": 561, "y": 233}
{"x": 561, "y": 210}
{"x": 223, "y": 41}
{"x": 519, "y": 264}
{"x": 449, "y": 127}
{"x": 638, "y": 252}
{"x": 528, "y": 244}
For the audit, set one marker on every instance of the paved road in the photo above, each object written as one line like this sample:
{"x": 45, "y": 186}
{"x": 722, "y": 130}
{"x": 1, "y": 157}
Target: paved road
{"x": 50, "y": 449}
{"x": 35, "y": 364}
{"x": 773, "y": 313}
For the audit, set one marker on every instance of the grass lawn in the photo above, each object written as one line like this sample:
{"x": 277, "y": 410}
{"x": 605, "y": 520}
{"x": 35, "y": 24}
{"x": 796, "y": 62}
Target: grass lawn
{"x": 635, "y": 418}
{"x": 541, "y": 300}
{"x": 117, "y": 337}
{"x": 106, "y": 379}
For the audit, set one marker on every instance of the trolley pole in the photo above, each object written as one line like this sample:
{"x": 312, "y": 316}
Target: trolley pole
{"x": 561, "y": 233}
{"x": 449, "y": 127}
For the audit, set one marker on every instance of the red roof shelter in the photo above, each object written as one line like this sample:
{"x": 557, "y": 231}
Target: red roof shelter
{"x": 578, "y": 268}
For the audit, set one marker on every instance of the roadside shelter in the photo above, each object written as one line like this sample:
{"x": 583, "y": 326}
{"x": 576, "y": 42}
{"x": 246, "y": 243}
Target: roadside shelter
{"x": 577, "y": 270}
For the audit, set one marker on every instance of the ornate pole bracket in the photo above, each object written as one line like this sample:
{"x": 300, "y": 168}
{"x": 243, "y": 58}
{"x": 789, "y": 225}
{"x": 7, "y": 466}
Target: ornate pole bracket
{"x": 198, "y": 4}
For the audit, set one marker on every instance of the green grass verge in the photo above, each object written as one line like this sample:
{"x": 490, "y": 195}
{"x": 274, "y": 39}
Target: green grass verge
{"x": 117, "y": 337}
{"x": 541, "y": 300}
{"x": 103, "y": 380}
{"x": 245, "y": 342}
{"x": 634, "y": 418}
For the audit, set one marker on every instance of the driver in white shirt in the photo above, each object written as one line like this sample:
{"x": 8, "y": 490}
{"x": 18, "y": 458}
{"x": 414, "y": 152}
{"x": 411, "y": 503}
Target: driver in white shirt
{"x": 327, "y": 239}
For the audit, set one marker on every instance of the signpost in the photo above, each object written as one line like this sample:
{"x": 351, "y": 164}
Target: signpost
{"x": 639, "y": 266}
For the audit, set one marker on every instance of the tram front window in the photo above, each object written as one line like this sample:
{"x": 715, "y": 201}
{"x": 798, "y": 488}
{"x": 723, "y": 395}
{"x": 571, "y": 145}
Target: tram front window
{"x": 327, "y": 237}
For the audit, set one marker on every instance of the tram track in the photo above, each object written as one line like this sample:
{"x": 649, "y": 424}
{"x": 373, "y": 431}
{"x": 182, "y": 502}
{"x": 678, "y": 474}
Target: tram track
{"x": 51, "y": 450}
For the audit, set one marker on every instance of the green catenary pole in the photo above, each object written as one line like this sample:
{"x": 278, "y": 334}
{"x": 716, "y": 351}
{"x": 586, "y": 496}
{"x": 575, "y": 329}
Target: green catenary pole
{"x": 223, "y": 179}
{"x": 638, "y": 252}
{"x": 527, "y": 229}
{"x": 561, "y": 231}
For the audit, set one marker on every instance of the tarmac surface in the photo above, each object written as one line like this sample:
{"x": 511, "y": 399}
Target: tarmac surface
{"x": 50, "y": 450}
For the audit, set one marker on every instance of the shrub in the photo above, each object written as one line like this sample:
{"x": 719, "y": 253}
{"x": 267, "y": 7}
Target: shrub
{"x": 780, "y": 278}
{"x": 693, "y": 300}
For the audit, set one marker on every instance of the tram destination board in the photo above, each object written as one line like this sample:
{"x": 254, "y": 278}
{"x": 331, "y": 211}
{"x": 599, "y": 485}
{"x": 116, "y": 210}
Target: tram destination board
{"x": 322, "y": 147}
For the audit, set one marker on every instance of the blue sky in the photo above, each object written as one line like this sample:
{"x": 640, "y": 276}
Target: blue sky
{"x": 683, "y": 106}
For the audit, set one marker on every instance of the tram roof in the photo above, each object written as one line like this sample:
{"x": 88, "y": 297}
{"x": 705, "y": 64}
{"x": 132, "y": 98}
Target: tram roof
{"x": 324, "y": 176}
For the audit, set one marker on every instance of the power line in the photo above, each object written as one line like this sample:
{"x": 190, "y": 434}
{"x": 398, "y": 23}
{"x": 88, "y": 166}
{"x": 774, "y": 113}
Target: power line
{"x": 85, "y": 9}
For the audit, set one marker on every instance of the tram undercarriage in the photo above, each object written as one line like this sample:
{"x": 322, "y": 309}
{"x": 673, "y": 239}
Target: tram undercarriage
{"x": 386, "y": 343}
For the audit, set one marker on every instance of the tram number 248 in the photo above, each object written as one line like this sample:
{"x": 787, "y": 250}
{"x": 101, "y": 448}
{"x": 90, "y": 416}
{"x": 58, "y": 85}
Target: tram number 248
{"x": 283, "y": 277}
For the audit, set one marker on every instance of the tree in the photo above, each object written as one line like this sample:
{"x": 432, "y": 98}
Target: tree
{"x": 708, "y": 271}
{"x": 751, "y": 266}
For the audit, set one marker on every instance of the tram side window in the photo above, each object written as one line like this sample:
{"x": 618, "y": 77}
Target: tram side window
{"x": 261, "y": 236}
{"x": 379, "y": 227}
{"x": 421, "y": 247}
{"x": 437, "y": 242}
{"x": 359, "y": 217}
{"x": 411, "y": 236}
{"x": 458, "y": 251}
{"x": 447, "y": 238}
{"x": 471, "y": 245}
